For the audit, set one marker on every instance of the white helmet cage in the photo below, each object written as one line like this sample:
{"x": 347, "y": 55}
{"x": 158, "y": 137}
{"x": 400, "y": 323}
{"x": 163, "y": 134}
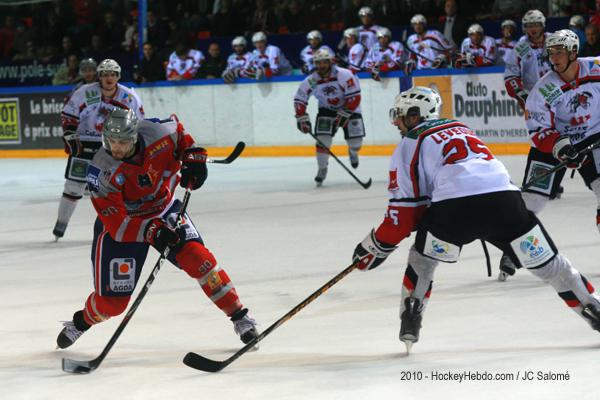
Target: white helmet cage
{"x": 533, "y": 17}
{"x": 418, "y": 19}
{"x": 351, "y": 32}
{"x": 259, "y": 37}
{"x": 109, "y": 65}
{"x": 239, "y": 41}
{"x": 475, "y": 28}
{"x": 314, "y": 35}
{"x": 564, "y": 38}
{"x": 322, "y": 55}
{"x": 384, "y": 32}
{"x": 508, "y": 22}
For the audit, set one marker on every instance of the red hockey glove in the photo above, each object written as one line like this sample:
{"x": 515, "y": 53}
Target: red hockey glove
{"x": 193, "y": 168}
{"x": 370, "y": 253}
{"x": 303, "y": 123}
{"x": 563, "y": 150}
{"x": 73, "y": 145}
{"x": 160, "y": 235}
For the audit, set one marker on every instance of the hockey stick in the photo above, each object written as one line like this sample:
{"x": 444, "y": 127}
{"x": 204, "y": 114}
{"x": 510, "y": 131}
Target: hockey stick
{"x": 365, "y": 185}
{"x": 85, "y": 367}
{"x": 197, "y": 361}
{"x": 407, "y": 47}
{"x": 230, "y": 158}
{"x": 537, "y": 178}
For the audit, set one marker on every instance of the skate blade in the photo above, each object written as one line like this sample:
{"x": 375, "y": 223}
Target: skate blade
{"x": 409, "y": 345}
{"x": 502, "y": 276}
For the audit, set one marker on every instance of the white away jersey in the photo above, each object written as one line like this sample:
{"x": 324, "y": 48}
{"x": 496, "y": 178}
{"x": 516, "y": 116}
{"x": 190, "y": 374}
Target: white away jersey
{"x": 272, "y": 58}
{"x": 331, "y": 92}
{"x": 306, "y": 55}
{"x": 357, "y": 56}
{"x": 557, "y": 108}
{"x": 503, "y": 49}
{"x": 239, "y": 61}
{"x": 188, "y": 67}
{"x": 431, "y": 45}
{"x": 526, "y": 62}
{"x": 443, "y": 159}
{"x": 87, "y": 109}
{"x": 389, "y": 58}
{"x": 484, "y": 53}
{"x": 368, "y": 36}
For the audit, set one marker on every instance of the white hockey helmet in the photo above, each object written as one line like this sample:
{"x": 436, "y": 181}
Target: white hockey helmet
{"x": 259, "y": 37}
{"x": 314, "y": 35}
{"x": 534, "y": 17}
{"x": 384, "y": 32}
{"x": 364, "y": 11}
{"x": 351, "y": 32}
{"x": 577, "y": 21}
{"x": 88, "y": 63}
{"x": 427, "y": 100}
{"x": 109, "y": 65}
{"x": 120, "y": 124}
{"x": 564, "y": 38}
{"x": 475, "y": 28}
{"x": 322, "y": 55}
{"x": 418, "y": 19}
{"x": 239, "y": 41}
{"x": 508, "y": 22}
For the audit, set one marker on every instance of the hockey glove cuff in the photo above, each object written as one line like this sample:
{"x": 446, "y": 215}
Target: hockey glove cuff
{"x": 370, "y": 253}
{"x": 73, "y": 145}
{"x": 563, "y": 150}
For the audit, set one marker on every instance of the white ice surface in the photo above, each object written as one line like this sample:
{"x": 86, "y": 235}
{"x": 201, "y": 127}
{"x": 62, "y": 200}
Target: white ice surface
{"x": 279, "y": 239}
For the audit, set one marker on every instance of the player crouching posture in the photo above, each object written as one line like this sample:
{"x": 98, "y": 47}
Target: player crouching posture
{"x": 443, "y": 182}
{"x": 132, "y": 180}
{"x": 338, "y": 93}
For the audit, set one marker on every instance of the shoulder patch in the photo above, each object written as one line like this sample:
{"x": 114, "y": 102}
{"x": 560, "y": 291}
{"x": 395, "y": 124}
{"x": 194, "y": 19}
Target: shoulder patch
{"x": 522, "y": 49}
{"x": 550, "y": 92}
{"x": 594, "y": 66}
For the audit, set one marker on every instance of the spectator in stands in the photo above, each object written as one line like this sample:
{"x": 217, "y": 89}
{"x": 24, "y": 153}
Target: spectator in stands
{"x": 67, "y": 48}
{"x": 7, "y": 36}
{"x": 129, "y": 37}
{"x": 68, "y": 73}
{"x": 577, "y": 25}
{"x": 214, "y": 65}
{"x": 95, "y": 49}
{"x": 150, "y": 68}
{"x": 156, "y": 30}
{"x": 591, "y": 48}
{"x": 351, "y": 13}
{"x": 507, "y": 8}
{"x": 184, "y": 62}
{"x": 263, "y": 18}
{"x": 112, "y": 32}
{"x": 295, "y": 17}
{"x": 226, "y": 21}
{"x": 507, "y": 42}
{"x": 453, "y": 25}
{"x": 30, "y": 52}
{"x": 595, "y": 18}
{"x": 477, "y": 50}
{"x": 53, "y": 31}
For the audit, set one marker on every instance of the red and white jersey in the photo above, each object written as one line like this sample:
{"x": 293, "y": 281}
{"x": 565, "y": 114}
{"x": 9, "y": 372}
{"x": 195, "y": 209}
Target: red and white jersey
{"x": 187, "y": 68}
{"x": 306, "y": 55}
{"x": 503, "y": 49}
{"x": 239, "y": 61}
{"x": 368, "y": 35}
{"x": 272, "y": 60}
{"x": 339, "y": 90}
{"x": 437, "y": 160}
{"x": 484, "y": 53}
{"x": 357, "y": 57}
{"x": 127, "y": 194}
{"x": 555, "y": 107}
{"x": 525, "y": 65}
{"x": 386, "y": 59}
{"x": 86, "y": 109}
{"x": 430, "y": 45}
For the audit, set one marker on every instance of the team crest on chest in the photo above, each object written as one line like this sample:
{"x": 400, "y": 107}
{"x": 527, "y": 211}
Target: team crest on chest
{"x": 580, "y": 100}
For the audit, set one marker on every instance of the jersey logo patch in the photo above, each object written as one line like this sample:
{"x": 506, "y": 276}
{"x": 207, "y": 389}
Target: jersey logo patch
{"x": 92, "y": 178}
{"x": 550, "y": 92}
{"x": 580, "y": 100}
{"x": 122, "y": 275}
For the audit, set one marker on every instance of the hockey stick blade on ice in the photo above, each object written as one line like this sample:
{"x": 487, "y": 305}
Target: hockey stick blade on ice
{"x": 230, "y": 158}
{"x": 201, "y": 363}
{"x": 365, "y": 185}
{"x": 85, "y": 367}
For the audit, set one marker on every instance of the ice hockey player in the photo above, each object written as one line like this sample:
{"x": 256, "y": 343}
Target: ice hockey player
{"x": 477, "y": 49}
{"x": 267, "y": 60}
{"x": 82, "y": 118}
{"x": 338, "y": 92}
{"x": 238, "y": 61}
{"x": 443, "y": 183}
{"x": 132, "y": 181}
{"x": 433, "y": 48}
{"x": 506, "y": 43}
{"x": 357, "y": 52}
{"x": 184, "y": 63}
{"x": 367, "y": 32}
{"x": 87, "y": 71}
{"x": 386, "y": 55}
{"x": 315, "y": 42}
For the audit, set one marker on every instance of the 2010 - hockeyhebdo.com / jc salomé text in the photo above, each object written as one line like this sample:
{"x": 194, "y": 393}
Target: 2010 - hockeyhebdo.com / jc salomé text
{"x": 478, "y": 376}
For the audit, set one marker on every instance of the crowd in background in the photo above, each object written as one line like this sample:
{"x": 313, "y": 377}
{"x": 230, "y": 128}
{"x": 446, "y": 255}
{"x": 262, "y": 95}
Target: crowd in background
{"x": 70, "y": 31}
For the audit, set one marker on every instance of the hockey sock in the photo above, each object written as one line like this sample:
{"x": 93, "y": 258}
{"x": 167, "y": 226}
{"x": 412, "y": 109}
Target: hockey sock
{"x": 418, "y": 278}
{"x": 354, "y": 146}
{"x": 100, "y": 308}
{"x": 66, "y": 208}
{"x": 323, "y": 154}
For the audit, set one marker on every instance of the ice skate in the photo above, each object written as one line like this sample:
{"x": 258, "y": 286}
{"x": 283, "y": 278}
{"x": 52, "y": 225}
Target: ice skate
{"x": 244, "y": 326}
{"x": 59, "y": 230}
{"x": 507, "y": 268}
{"x": 410, "y": 322}
{"x": 353, "y": 159}
{"x": 592, "y": 313}
{"x": 321, "y": 175}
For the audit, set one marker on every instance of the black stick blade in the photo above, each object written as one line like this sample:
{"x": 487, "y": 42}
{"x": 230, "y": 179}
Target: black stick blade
{"x": 367, "y": 184}
{"x": 77, "y": 367}
{"x": 196, "y": 361}
{"x": 239, "y": 148}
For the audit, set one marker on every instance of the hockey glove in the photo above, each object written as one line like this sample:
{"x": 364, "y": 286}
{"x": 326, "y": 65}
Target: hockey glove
{"x": 409, "y": 66}
{"x": 73, "y": 145}
{"x": 160, "y": 235}
{"x": 563, "y": 150}
{"x": 343, "y": 116}
{"x": 230, "y": 75}
{"x": 303, "y": 123}
{"x": 375, "y": 74}
{"x": 370, "y": 253}
{"x": 193, "y": 168}
{"x": 521, "y": 96}
{"x": 438, "y": 62}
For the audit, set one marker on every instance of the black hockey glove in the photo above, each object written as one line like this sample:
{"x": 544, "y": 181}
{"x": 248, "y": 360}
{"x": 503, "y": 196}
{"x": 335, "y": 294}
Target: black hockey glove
{"x": 343, "y": 116}
{"x": 303, "y": 123}
{"x": 193, "y": 168}
{"x": 160, "y": 235}
{"x": 73, "y": 145}
{"x": 370, "y": 253}
{"x": 563, "y": 150}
